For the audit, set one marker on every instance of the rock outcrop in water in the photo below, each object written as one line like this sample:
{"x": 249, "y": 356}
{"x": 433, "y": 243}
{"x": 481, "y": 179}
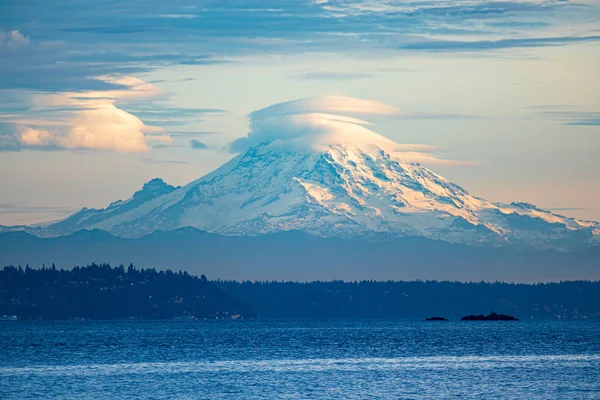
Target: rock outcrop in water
{"x": 491, "y": 317}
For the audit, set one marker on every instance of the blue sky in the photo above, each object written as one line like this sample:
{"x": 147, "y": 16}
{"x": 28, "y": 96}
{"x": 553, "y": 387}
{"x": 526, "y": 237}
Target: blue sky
{"x": 98, "y": 97}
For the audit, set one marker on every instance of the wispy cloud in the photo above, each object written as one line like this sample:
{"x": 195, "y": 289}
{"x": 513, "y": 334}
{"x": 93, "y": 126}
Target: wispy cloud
{"x": 67, "y": 45}
{"x": 582, "y": 118}
{"x": 24, "y": 209}
{"x": 64, "y": 48}
{"x": 193, "y": 133}
{"x": 569, "y": 115}
{"x": 333, "y": 76}
{"x": 164, "y": 115}
{"x": 481, "y": 45}
{"x": 198, "y": 145}
{"x": 154, "y": 160}
{"x": 432, "y": 115}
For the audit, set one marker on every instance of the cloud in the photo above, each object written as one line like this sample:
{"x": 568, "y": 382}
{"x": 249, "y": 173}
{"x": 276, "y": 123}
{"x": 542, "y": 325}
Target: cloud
{"x": 197, "y": 145}
{"x": 480, "y": 45}
{"x": 333, "y": 76}
{"x": 165, "y": 115}
{"x": 586, "y": 122}
{"x": 326, "y": 104}
{"x": 152, "y": 160}
{"x": 61, "y": 51}
{"x": 127, "y": 116}
{"x": 106, "y": 128}
{"x": 69, "y": 45}
{"x": 9, "y": 142}
{"x": 13, "y": 40}
{"x": 59, "y": 48}
{"x": 19, "y": 214}
{"x": 59, "y": 61}
{"x": 188, "y": 79}
{"x": 314, "y": 124}
{"x": 21, "y": 209}
{"x": 433, "y": 116}
{"x": 89, "y": 120}
{"x": 36, "y": 137}
{"x": 567, "y": 115}
{"x": 193, "y": 133}
{"x": 110, "y": 128}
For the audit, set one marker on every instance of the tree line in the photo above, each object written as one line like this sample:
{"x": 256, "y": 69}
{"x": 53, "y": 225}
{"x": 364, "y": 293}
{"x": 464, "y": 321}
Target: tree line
{"x": 417, "y": 299}
{"x": 99, "y": 291}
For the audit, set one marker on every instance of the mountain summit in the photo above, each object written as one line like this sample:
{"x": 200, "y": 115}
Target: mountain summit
{"x": 308, "y": 166}
{"x": 340, "y": 191}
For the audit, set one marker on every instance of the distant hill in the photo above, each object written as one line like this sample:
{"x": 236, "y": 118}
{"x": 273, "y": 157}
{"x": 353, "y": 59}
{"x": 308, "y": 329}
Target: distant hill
{"x": 300, "y": 256}
{"x": 101, "y": 292}
{"x": 417, "y": 300}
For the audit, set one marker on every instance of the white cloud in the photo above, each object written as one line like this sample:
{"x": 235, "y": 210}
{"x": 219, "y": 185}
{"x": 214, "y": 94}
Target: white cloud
{"x": 36, "y": 137}
{"x": 93, "y": 121}
{"x": 13, "y": 40}
{"x": 109, "y": 128}
{"x": 316, "y": 123}
{"x": 340, "y": 105}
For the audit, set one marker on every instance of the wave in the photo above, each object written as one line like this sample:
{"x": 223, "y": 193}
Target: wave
{"x": 310, "y": 365}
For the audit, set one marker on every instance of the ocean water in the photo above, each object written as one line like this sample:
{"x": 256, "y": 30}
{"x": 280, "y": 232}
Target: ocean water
{"x": 300, "y": 360}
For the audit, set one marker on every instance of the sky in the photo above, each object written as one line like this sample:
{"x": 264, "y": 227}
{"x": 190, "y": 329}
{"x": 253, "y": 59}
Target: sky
{"x": 99, "y": 97}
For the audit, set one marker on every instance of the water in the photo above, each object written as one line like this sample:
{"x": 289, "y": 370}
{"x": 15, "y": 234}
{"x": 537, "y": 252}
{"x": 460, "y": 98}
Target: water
{"x": 300, "y": 359}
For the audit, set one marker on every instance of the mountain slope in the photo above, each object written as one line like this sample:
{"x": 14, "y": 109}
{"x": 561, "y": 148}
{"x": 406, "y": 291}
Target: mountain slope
{"x": 85, "y": 218}
{"x": 339, "y": 191}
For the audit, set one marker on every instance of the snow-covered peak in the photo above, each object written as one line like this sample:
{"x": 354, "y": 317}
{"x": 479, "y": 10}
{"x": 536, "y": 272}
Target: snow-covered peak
{"x": 152, "y": 189}
{"x": 314, "y": 165}
{"x": 157, "y": 184}
{"x": 344, "y": 191}
{"x": 86, "y": 217}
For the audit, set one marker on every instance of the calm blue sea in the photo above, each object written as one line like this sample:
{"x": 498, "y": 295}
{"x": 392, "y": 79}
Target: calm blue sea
{"x": 300, "y": 360}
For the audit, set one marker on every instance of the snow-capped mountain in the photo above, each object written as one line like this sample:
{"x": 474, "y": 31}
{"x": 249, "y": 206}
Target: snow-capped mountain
{"x": 338, "y": 191}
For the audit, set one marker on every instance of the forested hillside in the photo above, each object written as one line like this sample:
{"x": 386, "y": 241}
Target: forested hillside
{"x": 418, "y": 299}
{"x": 103, "y": 292}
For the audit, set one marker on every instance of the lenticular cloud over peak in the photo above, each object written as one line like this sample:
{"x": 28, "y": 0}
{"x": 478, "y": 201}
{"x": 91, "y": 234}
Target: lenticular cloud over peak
{"x": 311, "y": 123}
{"x": 315, "y": 123}
{"x": 340, "y": 105}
